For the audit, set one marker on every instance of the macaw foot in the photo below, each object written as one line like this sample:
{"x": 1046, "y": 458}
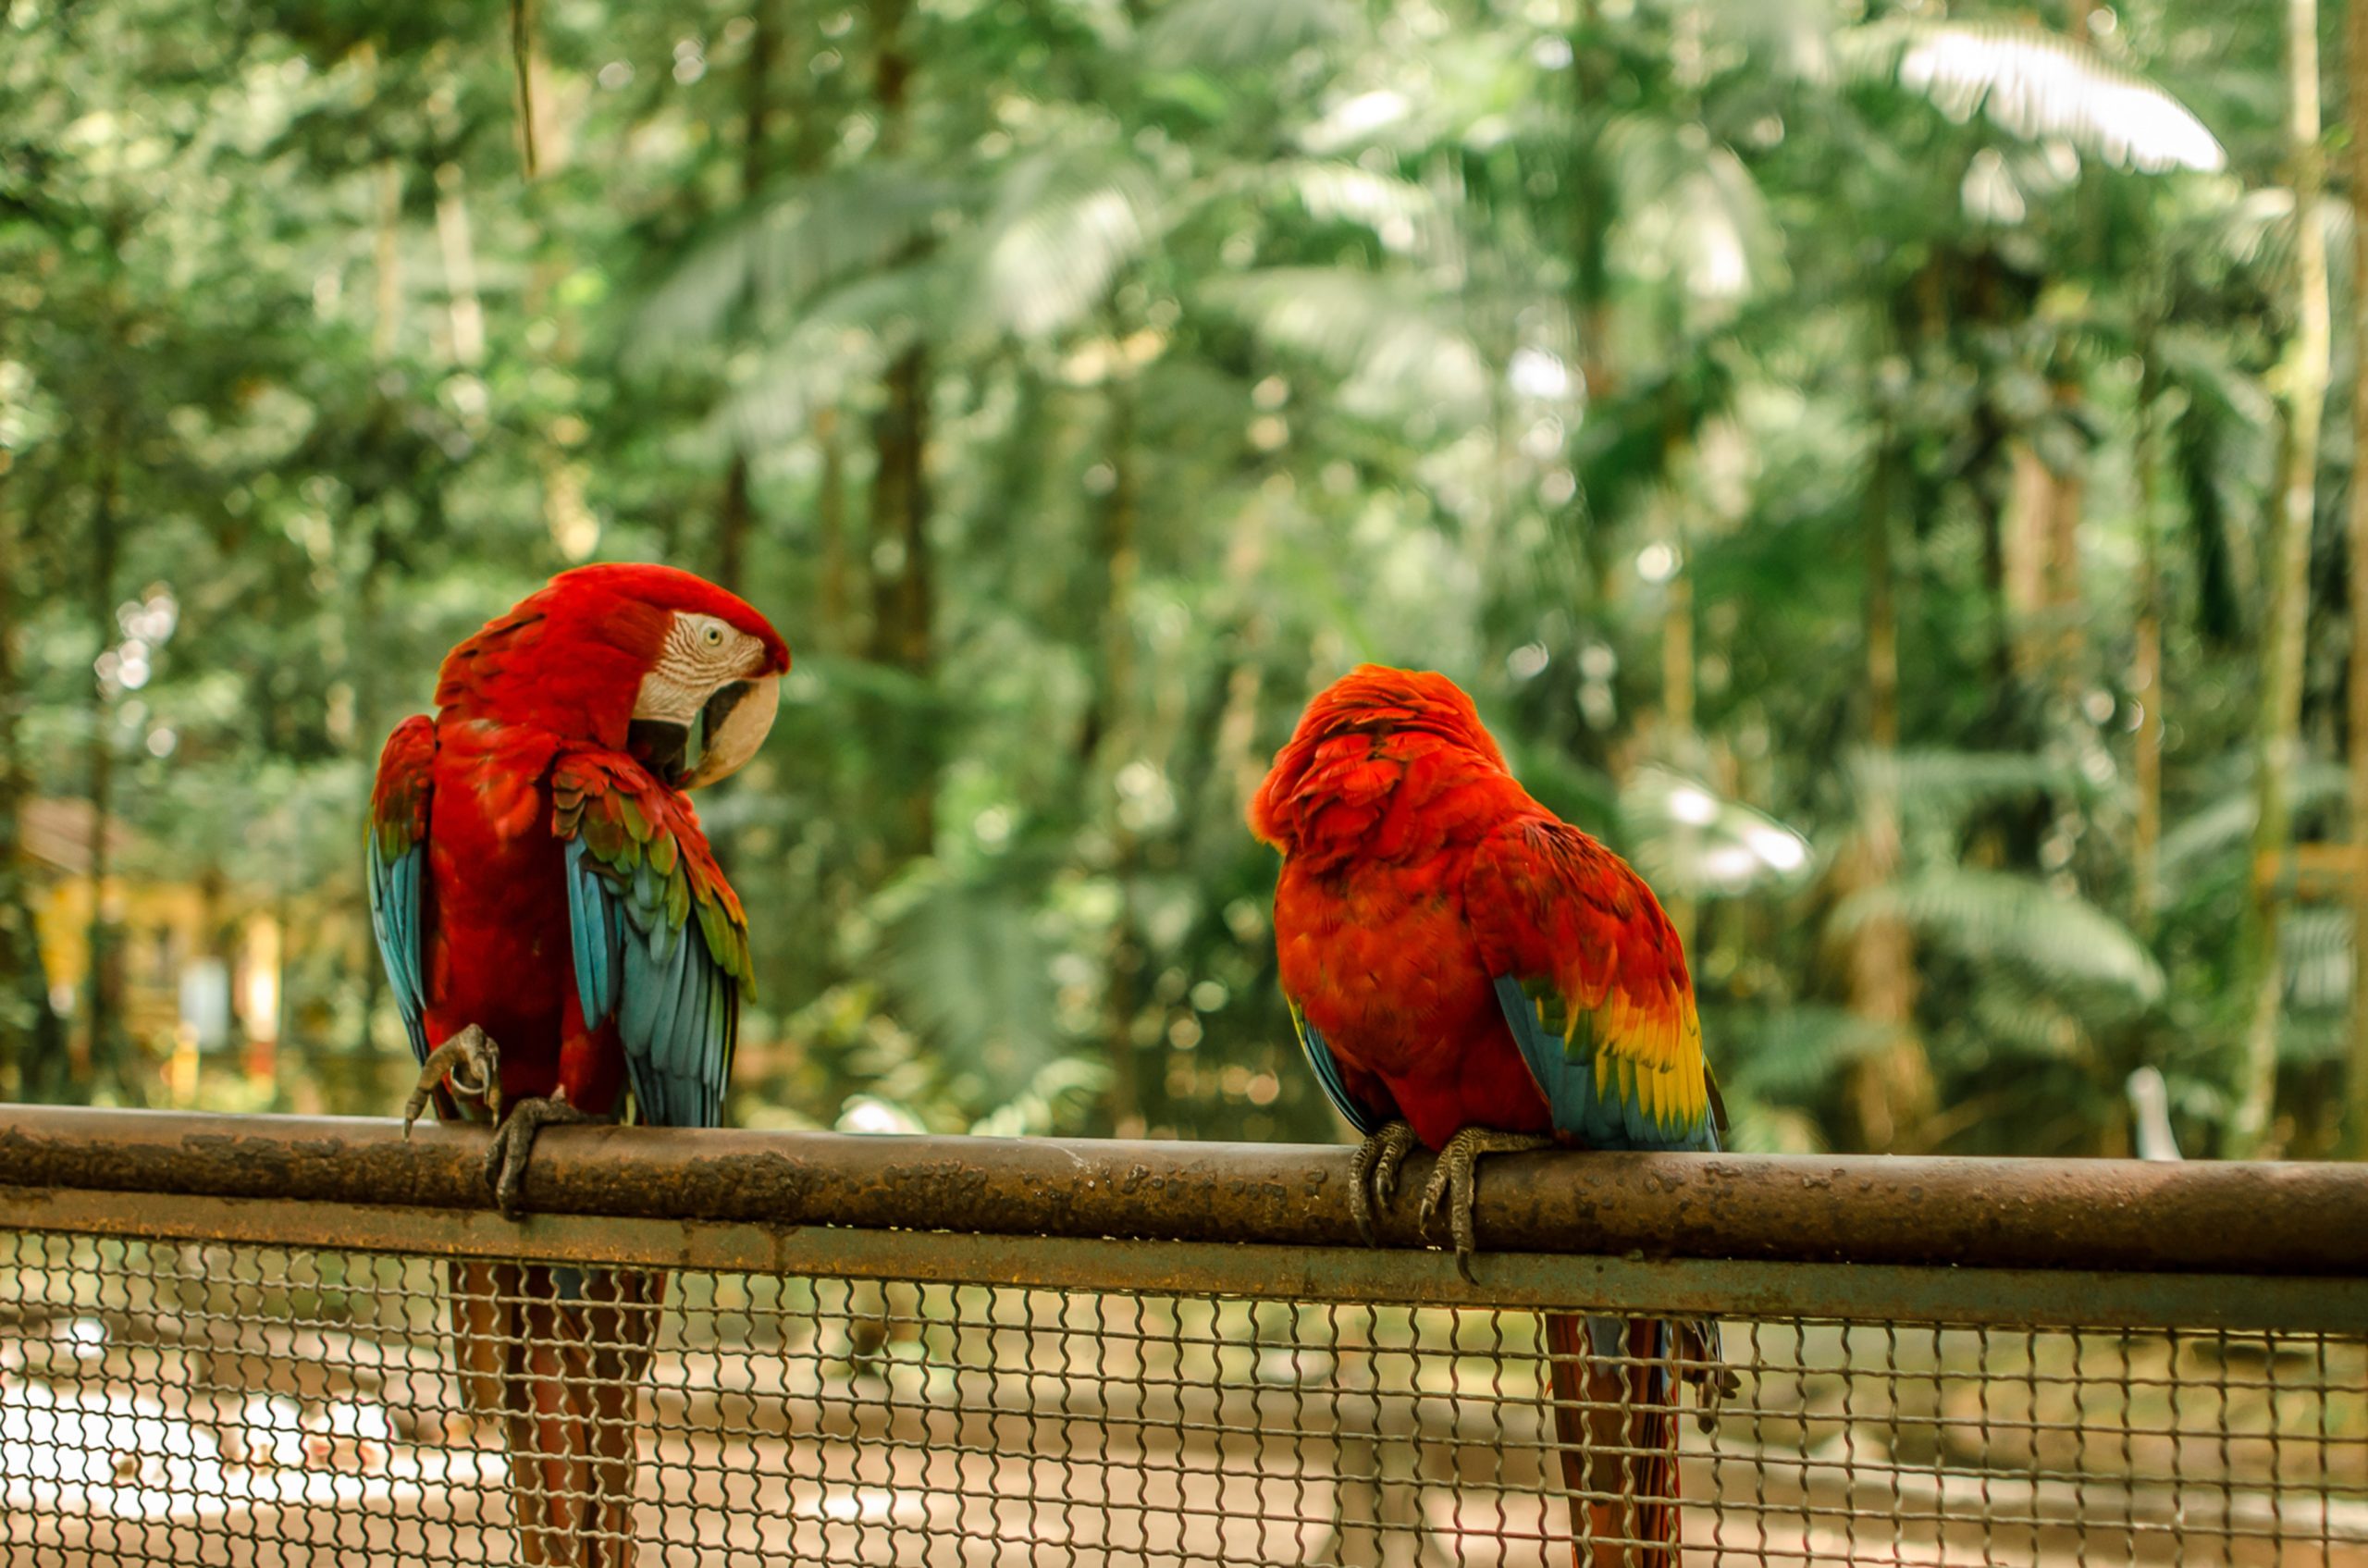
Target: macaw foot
{"x": 474, "y": 1063}
{"x": 1454, "y": 1182}
{"x": 514, "y": 1141}
{"x": 1373, "y": 1174}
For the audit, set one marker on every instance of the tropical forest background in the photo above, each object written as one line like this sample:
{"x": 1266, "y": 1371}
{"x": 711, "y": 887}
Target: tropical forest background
{"x": 1886, "y": 468}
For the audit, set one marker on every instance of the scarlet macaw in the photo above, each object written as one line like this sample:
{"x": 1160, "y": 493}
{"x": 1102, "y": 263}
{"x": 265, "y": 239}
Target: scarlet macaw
{"x": 1426, "y": 904}
{"x": 558, "y": 937}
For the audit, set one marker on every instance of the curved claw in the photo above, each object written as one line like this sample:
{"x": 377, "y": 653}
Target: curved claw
{"x": 473, "y": 1062}
{"x": 1373, "y": 1174}
{"x": 513, "y": 1141}
{"x": 1455, "y": 1182}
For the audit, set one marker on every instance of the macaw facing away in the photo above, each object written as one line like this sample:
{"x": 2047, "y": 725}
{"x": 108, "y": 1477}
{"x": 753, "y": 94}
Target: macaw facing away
{"x": 1430, "y": 923}
{"x": 562, "y": 945}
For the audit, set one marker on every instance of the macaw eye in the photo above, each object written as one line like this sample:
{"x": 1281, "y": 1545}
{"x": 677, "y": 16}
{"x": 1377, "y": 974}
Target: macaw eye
{"x": 712, "y": 637}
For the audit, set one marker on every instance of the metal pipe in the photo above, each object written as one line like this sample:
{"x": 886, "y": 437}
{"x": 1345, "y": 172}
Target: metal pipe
{"x": 2016, "y": 1297}
{"x": 2120, "y": 1214}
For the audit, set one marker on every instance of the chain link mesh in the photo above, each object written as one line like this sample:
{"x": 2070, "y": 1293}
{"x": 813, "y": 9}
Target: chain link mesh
{"x": 203, "y": 1403}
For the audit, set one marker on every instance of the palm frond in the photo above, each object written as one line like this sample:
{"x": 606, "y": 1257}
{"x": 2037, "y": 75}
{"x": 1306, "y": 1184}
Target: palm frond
{"x": 2316, "y": 944}
{"x": 2216, "y": 445}
{"x": 1983, "y": 915}
{"x": 2034, "y": 83}
{"x": 2256, "y": 230}
{"x": 964, "y": 966}
{"x": 1945, "y": 785}
{"x": 1796, "y": 36}
{"x": 1690, "y": 210}
{"x": 776, "y": 257}
{"x": 2201, "y": 365}
{"x": 2226, "y": 825}
{"x": 1394, "y": 349}
{"x": 2012, "y": 1015}
{"x": 840, "y": 341}
{"x": 1403, "y": 215}
{"x": 1062, "y": 228}
{"x": 1793, "y": 1051}
{"x": 1224, "y": 35}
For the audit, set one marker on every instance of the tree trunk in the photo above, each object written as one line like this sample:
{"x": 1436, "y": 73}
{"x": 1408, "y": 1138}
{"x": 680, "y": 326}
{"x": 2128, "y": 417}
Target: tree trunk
{"x": 2356, "y": 70}
{"x": 1892, "y": 1089}
{"x": 2030, "y": 525}
{"x": 30, "y": 1055}
{"x": 836, "y": 594}
{"x": 734, "y": 522}
{"x": 386, "y": 281}
{"x": 2146, "y": 685}
{"x": 757, "y": 100}
{"x": 1678, "y": 676}
{"x": 2280, "y": 750}
{"x": 737, "y": 517}
{"x": 892, "y": 71}
{"x": 2067, "y": 647}
{"x": 903, "y": 598}
{"x": 903, "y": 591}
{"x": 465, "y": 313}
{"x": 97, "y": 1057}
{"x": 1118, "y": 742}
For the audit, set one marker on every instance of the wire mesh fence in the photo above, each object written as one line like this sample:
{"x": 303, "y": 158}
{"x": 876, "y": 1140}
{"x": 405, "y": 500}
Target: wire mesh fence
{"x": 200, "y": 1401}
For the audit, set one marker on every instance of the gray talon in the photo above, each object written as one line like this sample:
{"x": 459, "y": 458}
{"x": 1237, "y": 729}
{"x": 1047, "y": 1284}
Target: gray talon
{"x": 1373, "y": 1174}
{"x": 473, "y": 1064}
{"x": 1397, "y": 1140}
{"x": 1454, "y": 1182}
{"x": 514, "y": 1141}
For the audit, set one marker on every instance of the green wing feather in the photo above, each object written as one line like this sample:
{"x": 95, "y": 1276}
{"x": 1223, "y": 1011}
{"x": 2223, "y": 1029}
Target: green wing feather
{"x": 638, "y": 870}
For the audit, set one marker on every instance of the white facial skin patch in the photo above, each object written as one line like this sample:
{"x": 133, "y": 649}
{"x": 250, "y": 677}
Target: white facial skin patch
{"x": 701, "y": 656}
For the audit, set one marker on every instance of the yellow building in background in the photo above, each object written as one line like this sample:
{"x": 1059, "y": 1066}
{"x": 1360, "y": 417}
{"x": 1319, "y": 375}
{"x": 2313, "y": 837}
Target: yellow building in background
{"x": 189, "y": 969}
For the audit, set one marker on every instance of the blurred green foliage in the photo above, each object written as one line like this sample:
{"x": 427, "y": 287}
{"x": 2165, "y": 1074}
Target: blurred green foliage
{"x": 1079, "y": 386}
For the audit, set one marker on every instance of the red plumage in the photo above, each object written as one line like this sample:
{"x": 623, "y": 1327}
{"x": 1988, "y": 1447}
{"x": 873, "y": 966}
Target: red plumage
{"x": 1417, "y": 876}
{"x": 531, "y": 758}
{"x": 557, "y": 673}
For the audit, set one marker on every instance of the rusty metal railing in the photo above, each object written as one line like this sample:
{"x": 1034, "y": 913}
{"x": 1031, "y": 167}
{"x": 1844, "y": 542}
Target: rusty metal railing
{"x": 266, "y": 1340}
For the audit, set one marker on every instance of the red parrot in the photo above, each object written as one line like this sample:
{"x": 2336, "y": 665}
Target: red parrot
{"x": 560, "y": 943}
{"x": 1431, "y": 923}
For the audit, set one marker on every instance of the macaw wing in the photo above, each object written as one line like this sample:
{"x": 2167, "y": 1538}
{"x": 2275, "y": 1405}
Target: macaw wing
{"x": 1592, "y": 983}
{"x": 396, "y": 868}
{"x": 1367, "y": 1118}
{"x": 661, "y": 944}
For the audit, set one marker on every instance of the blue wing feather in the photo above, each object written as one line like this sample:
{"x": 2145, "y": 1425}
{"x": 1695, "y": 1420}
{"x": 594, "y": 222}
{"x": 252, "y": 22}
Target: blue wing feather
{"x": 593, "y": 930}
{"x": 1597, "y": 1120}
{"x": 1599, "y": 1123}
{"x": 395, "y": 924}
{"x": 657, "y": 1063}
{"x": 676, "y": 1007}
{"x": 690, "y": 1033}
{"x": 1367, "y": 1118}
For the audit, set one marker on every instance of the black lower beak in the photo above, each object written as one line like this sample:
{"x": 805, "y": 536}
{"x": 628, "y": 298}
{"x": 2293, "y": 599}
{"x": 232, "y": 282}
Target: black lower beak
{"x": 661, "y": 746}
{"x": 720, "y": 706}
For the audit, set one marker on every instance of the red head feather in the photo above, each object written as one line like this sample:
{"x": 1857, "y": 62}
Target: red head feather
{"x": 1331, "y": 759}
{"x": 570, "y": 657}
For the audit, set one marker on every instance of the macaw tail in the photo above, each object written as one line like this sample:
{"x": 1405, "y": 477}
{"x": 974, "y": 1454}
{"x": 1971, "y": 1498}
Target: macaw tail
{"x": 1615, "y": 1417}
{"x": 558, "y": 1355}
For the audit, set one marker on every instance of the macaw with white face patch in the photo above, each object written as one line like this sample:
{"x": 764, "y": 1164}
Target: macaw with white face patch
{"x": 554, "y": 927}
{"x": 562, "y": 946}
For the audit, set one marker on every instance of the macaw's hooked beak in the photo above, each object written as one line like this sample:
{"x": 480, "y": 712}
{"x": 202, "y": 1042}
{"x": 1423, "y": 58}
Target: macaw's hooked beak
{"x": 730, "y": 725}
{"x": 725, "y": 732}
